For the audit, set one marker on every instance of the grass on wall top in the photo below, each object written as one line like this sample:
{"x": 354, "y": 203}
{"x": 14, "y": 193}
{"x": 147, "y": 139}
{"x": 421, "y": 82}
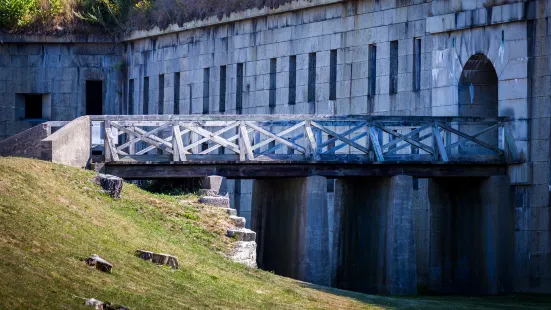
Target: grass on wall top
{"x": 112, "y": 16}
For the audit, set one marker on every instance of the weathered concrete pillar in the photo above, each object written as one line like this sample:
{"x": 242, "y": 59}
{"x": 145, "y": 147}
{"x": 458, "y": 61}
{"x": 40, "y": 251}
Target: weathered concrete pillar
{"x": 374, "y": 251}
{"x": 471, "y": 235}
{"x": 421, "y": 210}
{"x": 290, "y": 219}
{"x": 214, "y": 184}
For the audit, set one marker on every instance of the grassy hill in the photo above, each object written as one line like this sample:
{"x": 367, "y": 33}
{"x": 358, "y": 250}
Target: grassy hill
{"x": 113, "y": 16}
{"x": 52, "y": 217}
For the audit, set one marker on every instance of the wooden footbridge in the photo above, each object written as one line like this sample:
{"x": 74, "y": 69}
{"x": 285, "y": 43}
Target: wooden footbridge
{"x": 255, "y": 146}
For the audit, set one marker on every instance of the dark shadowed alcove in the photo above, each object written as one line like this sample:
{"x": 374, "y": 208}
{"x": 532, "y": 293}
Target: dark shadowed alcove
{"x": 478, "y": 96}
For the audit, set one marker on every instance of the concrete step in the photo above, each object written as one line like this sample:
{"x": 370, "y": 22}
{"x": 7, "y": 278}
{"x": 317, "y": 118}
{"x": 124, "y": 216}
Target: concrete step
{"x": 219, "y": 201}
{"x": 230, "y": 211}
{"x": 238, "y": 221}
{"x": 244, "y": 252}
{"x": 207, "y": 192}
{"x": 241, "y": 234}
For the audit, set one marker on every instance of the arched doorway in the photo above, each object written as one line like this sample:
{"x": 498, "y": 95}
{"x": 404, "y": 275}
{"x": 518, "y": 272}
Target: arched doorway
{"x": 478, "y": 96}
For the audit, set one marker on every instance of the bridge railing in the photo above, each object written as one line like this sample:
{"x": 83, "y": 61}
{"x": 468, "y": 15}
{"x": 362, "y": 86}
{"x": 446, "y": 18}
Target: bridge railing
{"x": 311, "y": 138}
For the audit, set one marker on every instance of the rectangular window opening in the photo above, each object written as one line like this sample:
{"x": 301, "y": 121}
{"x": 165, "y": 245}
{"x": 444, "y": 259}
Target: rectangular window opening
{"x": 372, "y": 70}
{"x": 239, "y": 89}
{"x": 273, "y": 86}
{"x": 94, "y": 98}
{"x": 131, "y": 97}
{"x": 333, "y": 75}
{"x": 206, "y": 90}
{"x": 393, "y": 79}
{"x": 312, "y": 78}
{"x": 33, "y": 106}
{"x": 146, "y": 95}
{"x": 292, "y": 80}
{"x": 222, "y": 97}
{"x": 190, "y": 87}
{"x": 161, "y": 104}
{"x": 177, "y": 93}
{"x": 416, "y": 64}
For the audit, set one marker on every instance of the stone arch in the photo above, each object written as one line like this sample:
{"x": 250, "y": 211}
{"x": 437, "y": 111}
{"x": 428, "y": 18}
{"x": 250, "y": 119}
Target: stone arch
{"x": 478, "y": 96}
{"x": 478, "y": 84}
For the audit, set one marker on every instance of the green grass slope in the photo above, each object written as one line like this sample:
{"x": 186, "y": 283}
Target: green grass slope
{"x": 52, "y": 217}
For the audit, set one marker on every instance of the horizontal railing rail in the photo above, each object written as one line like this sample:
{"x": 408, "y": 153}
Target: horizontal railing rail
{"x": 304, "y": 138}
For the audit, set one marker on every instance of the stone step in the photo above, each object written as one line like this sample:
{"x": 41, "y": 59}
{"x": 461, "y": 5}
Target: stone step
{"x": 207, "y": 192}
{"x": 219, "y": 201}
{"x": 230, "y": 211}
{"x": 241, "y": 234}
{"x": 244, "y": 252}
{"x": 238, "y": 221}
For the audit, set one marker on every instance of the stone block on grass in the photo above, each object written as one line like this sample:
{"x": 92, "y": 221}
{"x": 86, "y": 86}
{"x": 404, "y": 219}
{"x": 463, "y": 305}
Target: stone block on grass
{"x": 158, "y": 258}
{"x": 111, "y": 184}
{"x": 101, "y": 264}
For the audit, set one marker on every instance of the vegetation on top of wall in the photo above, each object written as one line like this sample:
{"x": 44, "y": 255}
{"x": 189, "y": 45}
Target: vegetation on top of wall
{"x": 112, "y": 16}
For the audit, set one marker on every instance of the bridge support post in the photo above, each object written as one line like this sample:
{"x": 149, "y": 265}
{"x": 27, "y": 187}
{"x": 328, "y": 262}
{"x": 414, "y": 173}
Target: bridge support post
{"x": 290, "y": 218}
{"x": 374, "y": 249}
{"x": 471, "y": 235}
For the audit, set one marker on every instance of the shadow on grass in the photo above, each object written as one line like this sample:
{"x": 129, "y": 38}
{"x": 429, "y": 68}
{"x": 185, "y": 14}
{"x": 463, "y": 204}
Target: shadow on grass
{"x": 519, "y": 301}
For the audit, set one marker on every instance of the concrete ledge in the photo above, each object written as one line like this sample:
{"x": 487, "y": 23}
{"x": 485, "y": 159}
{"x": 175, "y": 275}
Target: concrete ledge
{"x": 70, "y": 145}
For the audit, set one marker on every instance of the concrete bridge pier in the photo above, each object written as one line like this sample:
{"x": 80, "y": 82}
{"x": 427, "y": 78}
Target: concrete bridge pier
{"x": 290, "y": 219}
{"x": 471, "y": 236}
{"x": 374, "y": 248}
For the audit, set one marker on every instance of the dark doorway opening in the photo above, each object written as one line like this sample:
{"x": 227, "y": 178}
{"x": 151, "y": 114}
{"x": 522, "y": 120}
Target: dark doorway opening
{"x": 478, "y": 96}
{"x": 33, "y": 106}
{"x": 94, "y": 95}
{"x": 468, "y": 250}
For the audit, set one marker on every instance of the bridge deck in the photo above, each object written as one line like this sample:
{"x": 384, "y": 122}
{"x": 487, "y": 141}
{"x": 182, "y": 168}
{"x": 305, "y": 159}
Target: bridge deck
{"x": 241, "y": 146}
{"x": 253, "y": 170}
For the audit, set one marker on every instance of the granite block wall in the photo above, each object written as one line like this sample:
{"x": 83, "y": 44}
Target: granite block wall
{"x": 57, "y": 71}
{"x": 393, "y": 57}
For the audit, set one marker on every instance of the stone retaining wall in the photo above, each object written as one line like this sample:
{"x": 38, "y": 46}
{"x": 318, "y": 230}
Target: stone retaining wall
{"x": 421, "y": 49}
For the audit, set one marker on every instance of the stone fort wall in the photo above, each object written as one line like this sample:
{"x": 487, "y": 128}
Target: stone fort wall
{"x": 392, "y": 57}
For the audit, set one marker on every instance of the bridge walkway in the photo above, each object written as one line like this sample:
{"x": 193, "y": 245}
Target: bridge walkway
{"x": 248, "y": 146}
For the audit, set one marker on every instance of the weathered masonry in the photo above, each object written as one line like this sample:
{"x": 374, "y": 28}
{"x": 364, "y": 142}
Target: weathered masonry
{"x": 486, "y": 59}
